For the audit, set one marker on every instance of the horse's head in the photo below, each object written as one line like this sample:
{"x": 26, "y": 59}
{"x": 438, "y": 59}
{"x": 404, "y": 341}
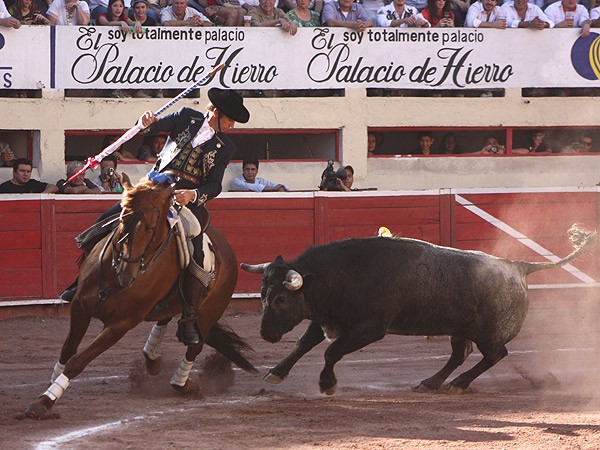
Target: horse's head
{"x": 142, "y": 230}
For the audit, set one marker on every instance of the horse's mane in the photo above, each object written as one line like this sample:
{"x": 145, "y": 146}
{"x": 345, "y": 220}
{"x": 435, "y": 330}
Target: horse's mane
{"x": 141, "y": 196}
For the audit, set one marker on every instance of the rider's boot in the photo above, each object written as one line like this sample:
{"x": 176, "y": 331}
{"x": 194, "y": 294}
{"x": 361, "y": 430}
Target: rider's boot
{"x": 68, "y": 294}
{"x": 188, "y": 330}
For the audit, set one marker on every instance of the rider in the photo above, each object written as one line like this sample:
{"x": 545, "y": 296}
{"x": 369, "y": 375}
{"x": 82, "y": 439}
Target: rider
{"x": 196, "y": 155}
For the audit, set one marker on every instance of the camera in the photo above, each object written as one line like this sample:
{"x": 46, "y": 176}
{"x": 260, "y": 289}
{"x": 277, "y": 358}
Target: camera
{"x": 330, "y": 178}
{"x": 494, "y": 149}
{"x": 109, "y": 174}
{"x": 577, "y": 146}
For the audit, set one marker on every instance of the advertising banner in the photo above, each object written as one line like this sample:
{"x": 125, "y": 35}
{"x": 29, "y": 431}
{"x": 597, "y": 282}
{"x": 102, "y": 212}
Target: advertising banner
{"x": 25, "y": 57}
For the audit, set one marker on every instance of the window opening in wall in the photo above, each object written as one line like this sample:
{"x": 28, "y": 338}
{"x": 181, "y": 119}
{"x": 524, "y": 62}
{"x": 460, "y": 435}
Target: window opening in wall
{"x": 560, "y": 92}
{"x": 17, "y": 144}
{"x": 483, "y": 93}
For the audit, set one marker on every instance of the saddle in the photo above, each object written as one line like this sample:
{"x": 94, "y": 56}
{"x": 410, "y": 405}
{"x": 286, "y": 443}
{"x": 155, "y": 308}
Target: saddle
{"x": 186, "y": 229}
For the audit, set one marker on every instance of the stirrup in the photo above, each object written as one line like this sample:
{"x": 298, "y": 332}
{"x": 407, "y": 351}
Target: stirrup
{"x": 188, "y": 331}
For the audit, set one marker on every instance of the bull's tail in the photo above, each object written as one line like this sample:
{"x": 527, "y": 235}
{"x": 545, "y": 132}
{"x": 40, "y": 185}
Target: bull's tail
{"x": 229, "y": 344}
{"x": 582, "y": 240}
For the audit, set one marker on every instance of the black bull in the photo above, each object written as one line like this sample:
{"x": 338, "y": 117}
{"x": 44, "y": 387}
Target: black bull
{"x": 357, "y": 290}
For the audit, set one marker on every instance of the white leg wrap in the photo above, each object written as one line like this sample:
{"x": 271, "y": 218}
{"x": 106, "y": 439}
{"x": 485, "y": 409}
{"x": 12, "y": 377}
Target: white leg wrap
{"x": 182, "y": 373}
{"x": 58, "y": 387}
{"x": 154, "y": 340}
{"x": 58, "y": 369}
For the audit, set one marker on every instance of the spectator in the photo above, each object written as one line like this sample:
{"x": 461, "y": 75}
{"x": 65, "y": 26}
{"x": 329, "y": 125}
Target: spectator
{"x": 399, "y": 14}
{"x": 568, "y": 14}
{"x": 22, "y": 183}
{"x": 522, "y": 14}
{"x": 449, "y": 145}
{"x": 491, "y": 146}
{"x": 6, "y": 20}
{"x": 26, "y": 13}
{"x": 180, "y": 15}
{"x": 426, "y": 141}
{"x": 98, "y": 7}
{"x": 349, "y": 181}
{"x": 372, "y": 6}
{"x": 218, "y": 13}
{"x": 459, "y": 8}
{"x": 249, "y": 182}
{"x": 109, "y": 179}
{"x": 153, "y": 8}
{"x": 372, "y": 144}
{"x": 80, "y": 184}
{"x": 346, "y": 13}
{"x": 266, "y": 15}
{"x": 120, "y": 154}
{"x": 438, "y": 13}
{"x": 486, "y": 14}
{"x": 150, "y": 152}
{"x": 140, "y": 13}
{"x": 595, "y": 17}
{"x": 7, "y": 156}
{"x": 313, "y": 5}
{"x": 116, "y": 16}
{"x": 342, "y": 183}
{"x": 249, "y": 5}
{"x": 303, "y": 16}
{"x": 587, "y": 142}
{"x": 533, "y": 144}
{"x": 574, "y": 147}
{"x": 69, "y": 12}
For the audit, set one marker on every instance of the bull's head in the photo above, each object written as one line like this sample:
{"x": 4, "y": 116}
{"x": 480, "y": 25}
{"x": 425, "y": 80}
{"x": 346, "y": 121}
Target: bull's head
{"x": 282, "y": 297}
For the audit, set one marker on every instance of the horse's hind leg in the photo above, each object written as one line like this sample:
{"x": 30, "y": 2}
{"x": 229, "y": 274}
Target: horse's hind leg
{"x": 461, "y": 348}
{"x": 75, "y": 365}
{"x": 180, "y": 381}
{"x": 153, "y": 359}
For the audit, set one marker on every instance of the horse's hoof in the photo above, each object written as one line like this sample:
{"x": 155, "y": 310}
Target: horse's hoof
{"x": 153, "y": 366}
{"x": 272, "y": 378}
{"x": 329, "y": 391}
{"x": 190, "y": 387}
{"x": 39, "y": 409}
{"x": 455, "y": 390}
{"x": 423, "y": 389}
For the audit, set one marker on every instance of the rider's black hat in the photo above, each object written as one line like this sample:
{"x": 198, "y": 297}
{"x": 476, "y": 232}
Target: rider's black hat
{"x": 230, "y": 103}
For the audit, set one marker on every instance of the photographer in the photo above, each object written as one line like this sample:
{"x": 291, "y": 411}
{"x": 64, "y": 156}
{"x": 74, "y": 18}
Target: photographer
{"x": 341, "y": 180}
{"x": 491, "y": 146}
{"x": 109, "y": 179}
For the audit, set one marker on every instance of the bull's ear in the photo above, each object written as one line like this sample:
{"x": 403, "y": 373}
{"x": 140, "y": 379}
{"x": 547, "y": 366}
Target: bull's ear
{"x": 308, "y": 279}
{"x": 279, "y": 259}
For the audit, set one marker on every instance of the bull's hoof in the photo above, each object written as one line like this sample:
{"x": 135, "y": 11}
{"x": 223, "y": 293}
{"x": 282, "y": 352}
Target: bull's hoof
{"x": 190, "y": 387}
{"x": 39, "y": 409}
{"x": 153, "y": 366}
{"x": 328, "y": 390}
{"x": 272, "y": 378}
{"x": 455, "y": 390}
{"x": 423, "y": 389}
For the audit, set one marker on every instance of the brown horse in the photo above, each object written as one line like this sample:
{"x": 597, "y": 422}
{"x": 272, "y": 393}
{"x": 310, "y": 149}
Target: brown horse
{"x": 131, "y": 276}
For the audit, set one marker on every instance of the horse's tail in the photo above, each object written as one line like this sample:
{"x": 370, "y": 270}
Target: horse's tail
{"x": 229, "y": 344}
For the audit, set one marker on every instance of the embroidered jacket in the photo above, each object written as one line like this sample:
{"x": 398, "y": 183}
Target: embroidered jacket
{"x": 207, "y": 162}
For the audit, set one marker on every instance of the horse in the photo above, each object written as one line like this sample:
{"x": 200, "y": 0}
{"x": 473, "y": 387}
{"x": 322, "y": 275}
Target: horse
{"x": 131, "y": 276}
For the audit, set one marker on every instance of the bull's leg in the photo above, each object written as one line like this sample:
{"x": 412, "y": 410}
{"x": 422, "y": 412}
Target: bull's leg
{"x": 180, "y": 381}
{"x": 347, "y": 342}
{"x": 311, "y": 337}
{"x": 490, "y": 358}
{"x": 461, "y": 348}
{"x": 106, "y": 339}
{"x": 151, "y": 350}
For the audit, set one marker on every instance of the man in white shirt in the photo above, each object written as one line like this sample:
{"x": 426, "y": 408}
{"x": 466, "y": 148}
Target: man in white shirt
{"x": 180, "y": 15}
{"x": 249, "y": 182}
{"x": 522, "y": 14}
{"x": 486, "y": 14}
{"x": 399, "y": 14}
{"x": 6, "y": 20}
{"x": 69, "y": 12}
{"x": 568, "y": 14}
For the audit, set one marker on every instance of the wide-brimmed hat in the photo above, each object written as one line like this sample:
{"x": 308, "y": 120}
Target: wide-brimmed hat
{"x": 230, "y": 103}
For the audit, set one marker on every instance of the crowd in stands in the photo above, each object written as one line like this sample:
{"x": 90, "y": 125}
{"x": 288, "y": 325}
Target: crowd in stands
{"x": 133, "y": 15}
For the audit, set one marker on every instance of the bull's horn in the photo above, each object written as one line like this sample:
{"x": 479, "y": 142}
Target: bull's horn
{"x": 293, "y": 280}
{"x": 258, "y": 268}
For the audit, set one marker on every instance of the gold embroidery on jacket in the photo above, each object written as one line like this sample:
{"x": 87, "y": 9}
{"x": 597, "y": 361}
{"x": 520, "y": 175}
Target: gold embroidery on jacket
{"x": 202, "y": 199}
{"x": 209, "y": 160}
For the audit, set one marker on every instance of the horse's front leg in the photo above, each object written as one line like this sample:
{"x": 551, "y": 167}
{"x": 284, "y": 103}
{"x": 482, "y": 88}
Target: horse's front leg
{"x": 180, "y": 381}
{"x": 106, "y": 339}
{"x": 152, "y": 357}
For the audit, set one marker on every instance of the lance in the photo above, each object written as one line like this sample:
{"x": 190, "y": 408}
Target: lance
{"x": 93, "y": 162}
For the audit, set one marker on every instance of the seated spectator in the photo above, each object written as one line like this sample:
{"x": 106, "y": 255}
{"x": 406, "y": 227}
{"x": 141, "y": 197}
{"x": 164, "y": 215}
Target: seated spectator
{"x": 109, "y": 179}
{"x": 80, "y": 184}
{"x": 71, "y": 12}
{"x": 218, "y": 13}
{"x": 438, "y": 13}
{"x": 6, "y": 20}
{"x": 180, "y": 15}
{"x": 372, "y": 6}
{"x": 7, "y": 156}
{"x": 121, "y": 155}
{"x": 344, "y": 184}
{"x": 116, "y": 16}
{"x": 595, "y": 17}
{"x": 587, "y": 142}
{"x": 449, "y": 145}
{"x": 149, "y": 152}
{"x": 140, "y": 13}
{"x": 533, "y": 144}
{"x": 399, "y": 14}
{"x": 98, "y": 7}
{"x": 486, "y": 14}
{"x": 372, "y": 144}
{"x": 249, "y": 5}
{"x": 568, "y": 14}
{"x": 249, "y": 182}
{"x": 459, "y": 9}
{"x": 491, "y": 146}
{"x": 574, "y": 147}
{"x": 22, "y": 183}
{"x": 303, "y": 16}
{"x": 522, "y": 14}
{"x": 153, "y": 8}
{"x": 426, "y": 141}
{"x": 26, "y": 13}
{"x": 266, "y": 15}
{"x": 418, "y": 4}
{"x": 313, "y": 5}
{"x": 346, "y": 13}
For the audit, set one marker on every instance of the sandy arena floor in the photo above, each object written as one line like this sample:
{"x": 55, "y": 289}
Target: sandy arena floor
{"x": 544, "y": 395}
